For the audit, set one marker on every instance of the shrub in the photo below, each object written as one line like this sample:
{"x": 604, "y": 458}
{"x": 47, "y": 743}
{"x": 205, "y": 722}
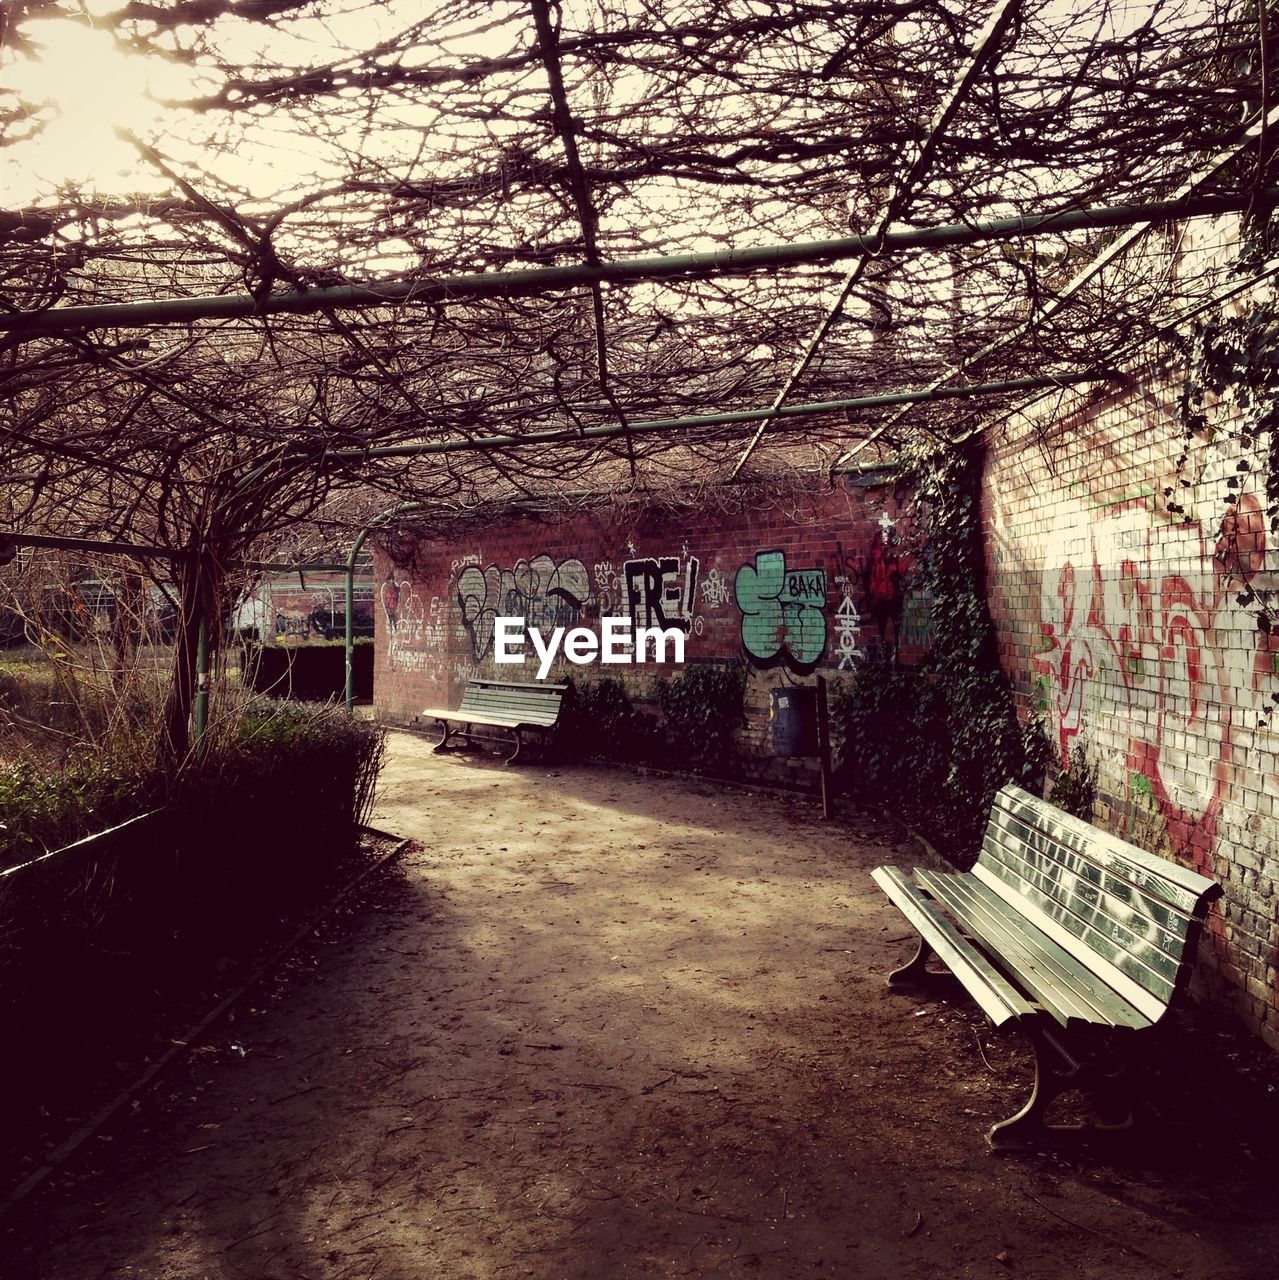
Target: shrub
{"x": 44, "y": 808}
{"x": 1075, "y": 788}
{"x": 701, "y": 713}
{"x": 599, "y": 723}
{"x": 249, "y": 828}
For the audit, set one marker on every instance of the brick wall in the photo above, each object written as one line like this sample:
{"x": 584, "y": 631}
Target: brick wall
{"x": 792, "y": 589}
{"x": 1121, "y": 623}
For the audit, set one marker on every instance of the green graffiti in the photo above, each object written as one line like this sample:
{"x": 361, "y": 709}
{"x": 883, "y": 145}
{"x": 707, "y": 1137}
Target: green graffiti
{"x": 1139, "y": 787}
{"x": 1142, "y": 493}
{"x": 1043, "y": 692}
{"x": 1135, "y": 667}
{"x": 782, "y": 618}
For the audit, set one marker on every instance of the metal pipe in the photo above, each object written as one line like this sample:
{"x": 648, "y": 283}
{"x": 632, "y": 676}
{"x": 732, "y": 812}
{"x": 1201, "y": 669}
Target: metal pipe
{"x": 89, "y": 544}
{"x": 897, "y": 206}
{"x": 627, "y": 271}
{"x": 273, "y": 566}
{"x": 1060, "y": 297}
{"x": 570, "y": 434}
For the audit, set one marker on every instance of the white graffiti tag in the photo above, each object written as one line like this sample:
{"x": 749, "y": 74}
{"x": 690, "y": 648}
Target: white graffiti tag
{"x": 715, "y": 590}
{"x": 847, "y": 623}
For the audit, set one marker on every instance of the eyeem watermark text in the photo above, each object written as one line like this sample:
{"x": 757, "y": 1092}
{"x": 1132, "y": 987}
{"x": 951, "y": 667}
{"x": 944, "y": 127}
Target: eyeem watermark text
{"x": 616, "y": 642}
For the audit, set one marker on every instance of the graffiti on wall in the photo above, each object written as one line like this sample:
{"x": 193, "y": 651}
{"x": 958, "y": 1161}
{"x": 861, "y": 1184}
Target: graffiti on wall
{"x": 847, "y": 625}
{"x": 715, "y": 590}
{"x": 415, "y": 630}
{"x": 875, "y": 584}
{"x": 653, "y": 591}
{"x": 782, "y": 612}
{"x": 544, "y": 592}
{"x": 1128, "y": 646}
{"x": 884, "y": 582}
{"x": 661, "y": 592}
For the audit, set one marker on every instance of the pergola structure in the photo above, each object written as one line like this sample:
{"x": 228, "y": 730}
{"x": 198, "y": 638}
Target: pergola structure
{"x": 527, "y": 251}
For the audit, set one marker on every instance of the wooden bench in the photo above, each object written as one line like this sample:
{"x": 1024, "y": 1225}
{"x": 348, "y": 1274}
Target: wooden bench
{"x": 1072, "y": 935}
{"x": 507, "y": 705}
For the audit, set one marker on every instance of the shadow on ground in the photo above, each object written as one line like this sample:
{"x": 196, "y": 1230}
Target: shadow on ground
{"x": 604, "y": 1025}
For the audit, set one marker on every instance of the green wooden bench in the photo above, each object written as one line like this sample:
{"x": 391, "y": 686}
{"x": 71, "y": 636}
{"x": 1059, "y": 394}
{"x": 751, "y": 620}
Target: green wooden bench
{"x": 1070, "y": 934}
{"x": 492, "y": 709}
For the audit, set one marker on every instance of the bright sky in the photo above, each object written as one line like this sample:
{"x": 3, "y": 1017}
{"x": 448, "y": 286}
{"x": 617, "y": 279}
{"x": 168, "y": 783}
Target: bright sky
{"x": 81, "y": 88}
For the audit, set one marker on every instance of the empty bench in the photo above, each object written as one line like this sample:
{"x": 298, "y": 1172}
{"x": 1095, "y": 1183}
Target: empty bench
{"x": 492, "y": 709}
{"x": 1070, "y": 934}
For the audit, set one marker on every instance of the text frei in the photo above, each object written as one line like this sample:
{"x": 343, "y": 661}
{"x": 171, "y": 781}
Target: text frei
{"x": 617, "y": 642}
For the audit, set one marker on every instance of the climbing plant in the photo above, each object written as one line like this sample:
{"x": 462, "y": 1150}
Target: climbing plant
{"x": 1229, "y": 424}
{"x": 1075, "y": 789}
{"x": 599, "y": 723}
{"x": 701, "y": 712}
{"x": 935, "y": 743}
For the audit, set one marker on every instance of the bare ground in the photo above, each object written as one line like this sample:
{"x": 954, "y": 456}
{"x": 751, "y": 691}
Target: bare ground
{"x": 604, "y": 1025}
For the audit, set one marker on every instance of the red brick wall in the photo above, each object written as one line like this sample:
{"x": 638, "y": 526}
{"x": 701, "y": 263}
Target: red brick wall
{"x": 1120, "y": 621}
{"x": 434, "y": 613}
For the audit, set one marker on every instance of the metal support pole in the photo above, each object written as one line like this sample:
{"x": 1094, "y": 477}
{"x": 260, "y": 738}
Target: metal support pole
{"x": 823, "y": 748}
{"x": 202, "y": 679}
{"x": 356, "y": 547}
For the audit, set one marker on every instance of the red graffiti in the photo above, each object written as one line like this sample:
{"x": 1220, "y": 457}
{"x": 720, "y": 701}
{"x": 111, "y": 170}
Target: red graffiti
{"x": 1130, "y": 659}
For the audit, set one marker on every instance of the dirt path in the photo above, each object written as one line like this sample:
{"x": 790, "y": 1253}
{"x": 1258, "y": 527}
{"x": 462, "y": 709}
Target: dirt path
{"x": 608, "y": 1026}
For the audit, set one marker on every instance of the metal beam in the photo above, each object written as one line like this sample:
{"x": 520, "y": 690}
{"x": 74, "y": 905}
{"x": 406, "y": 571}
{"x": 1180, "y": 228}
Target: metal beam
{"x": 1061, "y": 297}
{"x": 138, "y": 550}
{"x": 572, "y": 434}
{"x": 897, "y": 206}
{"x": 624, "y": 272}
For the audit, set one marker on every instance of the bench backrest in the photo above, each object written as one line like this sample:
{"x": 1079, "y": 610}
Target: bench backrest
{"x": 536, "y": 704}
{"x": 1129, "y": 916}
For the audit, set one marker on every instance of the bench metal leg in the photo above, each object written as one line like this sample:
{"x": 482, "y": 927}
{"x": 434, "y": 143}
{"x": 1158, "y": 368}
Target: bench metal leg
{"x": 446, "y": 732}
{"x": 1059, "y": 1071}
{"x": 915, "y": 968}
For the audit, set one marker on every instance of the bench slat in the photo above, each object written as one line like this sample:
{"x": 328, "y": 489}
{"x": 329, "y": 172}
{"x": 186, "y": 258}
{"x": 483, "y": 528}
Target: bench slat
{"x": 998, "y": 998}
{"x": 516, "y": 715}
{"x": 1175, "y": 884}
{"x": 1051, "y": 974}
{"x": 1065, "y": 871}
{"x": 1151, "y": 1004}
{"x": 1151, "y": 957}
{"x": 537, "y": 686}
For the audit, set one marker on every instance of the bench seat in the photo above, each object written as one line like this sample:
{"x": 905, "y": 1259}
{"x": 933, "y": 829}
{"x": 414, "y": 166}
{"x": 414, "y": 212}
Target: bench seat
{"x": 515, "y": 706}
{"x": 1063, "y": 931}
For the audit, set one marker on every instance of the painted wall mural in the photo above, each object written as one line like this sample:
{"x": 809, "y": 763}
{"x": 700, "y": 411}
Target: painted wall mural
{"x": 1128, "y": 646}
{"x": 544, "y": 592}
{"x": 415, "y": 626}
{"x": 783, "y": 619}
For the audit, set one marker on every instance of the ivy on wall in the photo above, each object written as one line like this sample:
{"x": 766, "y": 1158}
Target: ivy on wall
{"x": 935, "y": 743}
{"x": 701, "y": 711}
{"x": 1234, "y": 360}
